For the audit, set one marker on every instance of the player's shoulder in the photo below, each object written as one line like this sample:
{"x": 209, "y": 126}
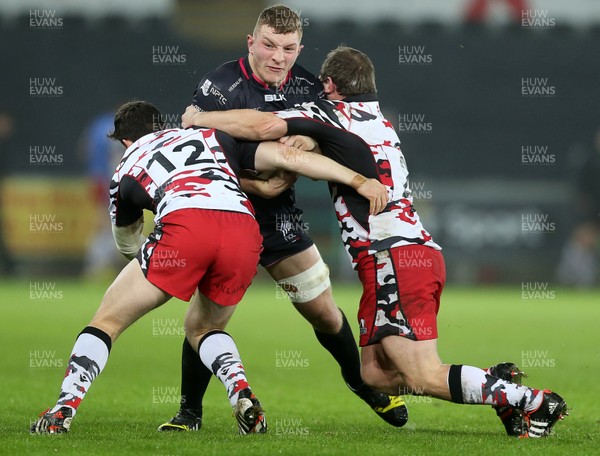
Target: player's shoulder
{"x": 217, "y": 88}
{"x": 300, "y": 76}
{"x": 225, "y": 75}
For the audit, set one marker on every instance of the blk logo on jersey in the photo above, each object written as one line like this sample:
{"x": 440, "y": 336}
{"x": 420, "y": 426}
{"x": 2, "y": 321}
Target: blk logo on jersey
{"x": 270, "y": 97}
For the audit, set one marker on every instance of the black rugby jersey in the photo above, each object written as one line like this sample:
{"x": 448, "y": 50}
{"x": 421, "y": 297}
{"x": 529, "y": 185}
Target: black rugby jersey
{"x": 234, "y": 86}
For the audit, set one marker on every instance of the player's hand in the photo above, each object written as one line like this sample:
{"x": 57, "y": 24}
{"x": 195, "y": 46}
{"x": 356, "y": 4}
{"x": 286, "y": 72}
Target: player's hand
{"x": 299, "y": 142}
{"x": 187, "y": 118}
{"x": 277, "y": 182}
{"x": 282, "y": 180}
{"x": 376, "y": 193}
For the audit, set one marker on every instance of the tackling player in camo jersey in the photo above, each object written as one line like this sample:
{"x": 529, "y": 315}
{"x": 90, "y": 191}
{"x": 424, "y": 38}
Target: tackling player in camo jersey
{"x": 400, "y": 266}
{"x": 268, "y": 79}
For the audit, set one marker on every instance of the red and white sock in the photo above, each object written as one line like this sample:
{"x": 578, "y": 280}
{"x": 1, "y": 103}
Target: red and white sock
{"x": 87, "y": 360}
{"x": 219, "y": 353}
{"x": 471, "y": 385}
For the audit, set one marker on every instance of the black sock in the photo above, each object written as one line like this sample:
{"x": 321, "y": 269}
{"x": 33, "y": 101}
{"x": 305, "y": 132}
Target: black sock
{"x": 342, "y": 347}
{"x": 194, "y": 379}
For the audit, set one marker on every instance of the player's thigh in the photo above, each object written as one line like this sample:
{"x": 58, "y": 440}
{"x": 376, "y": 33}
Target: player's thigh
{"x": 294, "y": 264}
{"x": 231, "y": 272}
{"x": 128, "y": 298}
{"x": 401, "y": 294}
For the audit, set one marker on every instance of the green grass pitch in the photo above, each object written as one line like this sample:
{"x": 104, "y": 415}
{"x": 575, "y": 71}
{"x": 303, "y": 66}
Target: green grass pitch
{"x": 554, "y": 337}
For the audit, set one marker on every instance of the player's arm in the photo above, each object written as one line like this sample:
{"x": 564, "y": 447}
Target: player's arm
{"x": 272, "y": 155}
{"x": 280, "y": 180}
{"x": 129, "y": 238}
{"x": 127, "y": 216}
{"x": 247, "y": 124}
{"x": 301, "y": 142}
{"x": 277, "y": 183}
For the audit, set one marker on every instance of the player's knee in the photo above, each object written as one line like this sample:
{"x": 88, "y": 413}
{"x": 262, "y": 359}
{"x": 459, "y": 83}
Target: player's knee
{"x": 307, "y": 285}
{"x": 324, "y": 316}
{"x": 194, "y": 329}
{"x": 329, "y": 322}
{"x": 193, "y": 339}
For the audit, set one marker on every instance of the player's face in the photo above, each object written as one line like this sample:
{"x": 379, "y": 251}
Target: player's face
{"x": 271, "y": 54}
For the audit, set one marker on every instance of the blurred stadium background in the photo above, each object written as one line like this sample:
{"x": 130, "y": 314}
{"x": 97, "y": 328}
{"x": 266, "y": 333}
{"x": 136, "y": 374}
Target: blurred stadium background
{"x": 496, "y": 102}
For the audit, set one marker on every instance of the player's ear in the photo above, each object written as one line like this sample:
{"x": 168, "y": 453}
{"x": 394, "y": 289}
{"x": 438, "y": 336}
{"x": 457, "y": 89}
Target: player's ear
{"x": 250, "y": 40}
{"x": 328, "y": 85}
{"x": 300, "y": 48}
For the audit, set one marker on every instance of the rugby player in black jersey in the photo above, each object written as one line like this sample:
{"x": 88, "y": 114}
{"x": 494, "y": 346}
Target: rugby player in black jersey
{"x": 268, "y": 79}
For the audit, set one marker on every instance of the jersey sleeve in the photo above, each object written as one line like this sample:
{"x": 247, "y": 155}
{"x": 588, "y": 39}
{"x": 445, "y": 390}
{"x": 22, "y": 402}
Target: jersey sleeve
{"x": 247, "y": 150}
{"x": 128, "y": 199}
{"x": 340, "y": 145}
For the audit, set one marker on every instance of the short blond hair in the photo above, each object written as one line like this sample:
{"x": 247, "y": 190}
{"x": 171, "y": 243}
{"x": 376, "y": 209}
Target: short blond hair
{"x": 281, "y": 19}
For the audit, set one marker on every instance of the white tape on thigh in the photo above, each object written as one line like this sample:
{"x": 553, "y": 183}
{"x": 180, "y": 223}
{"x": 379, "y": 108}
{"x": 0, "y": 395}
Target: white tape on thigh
{"x": 307, "y": 285}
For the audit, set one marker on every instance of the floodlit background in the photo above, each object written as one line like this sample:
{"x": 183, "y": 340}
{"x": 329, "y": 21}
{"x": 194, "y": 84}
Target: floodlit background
{"x": 496, "y": 103}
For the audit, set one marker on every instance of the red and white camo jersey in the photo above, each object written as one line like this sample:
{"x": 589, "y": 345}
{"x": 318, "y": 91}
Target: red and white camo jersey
{"x": 178, "y": 169}
{"x": 354, "y": 133}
